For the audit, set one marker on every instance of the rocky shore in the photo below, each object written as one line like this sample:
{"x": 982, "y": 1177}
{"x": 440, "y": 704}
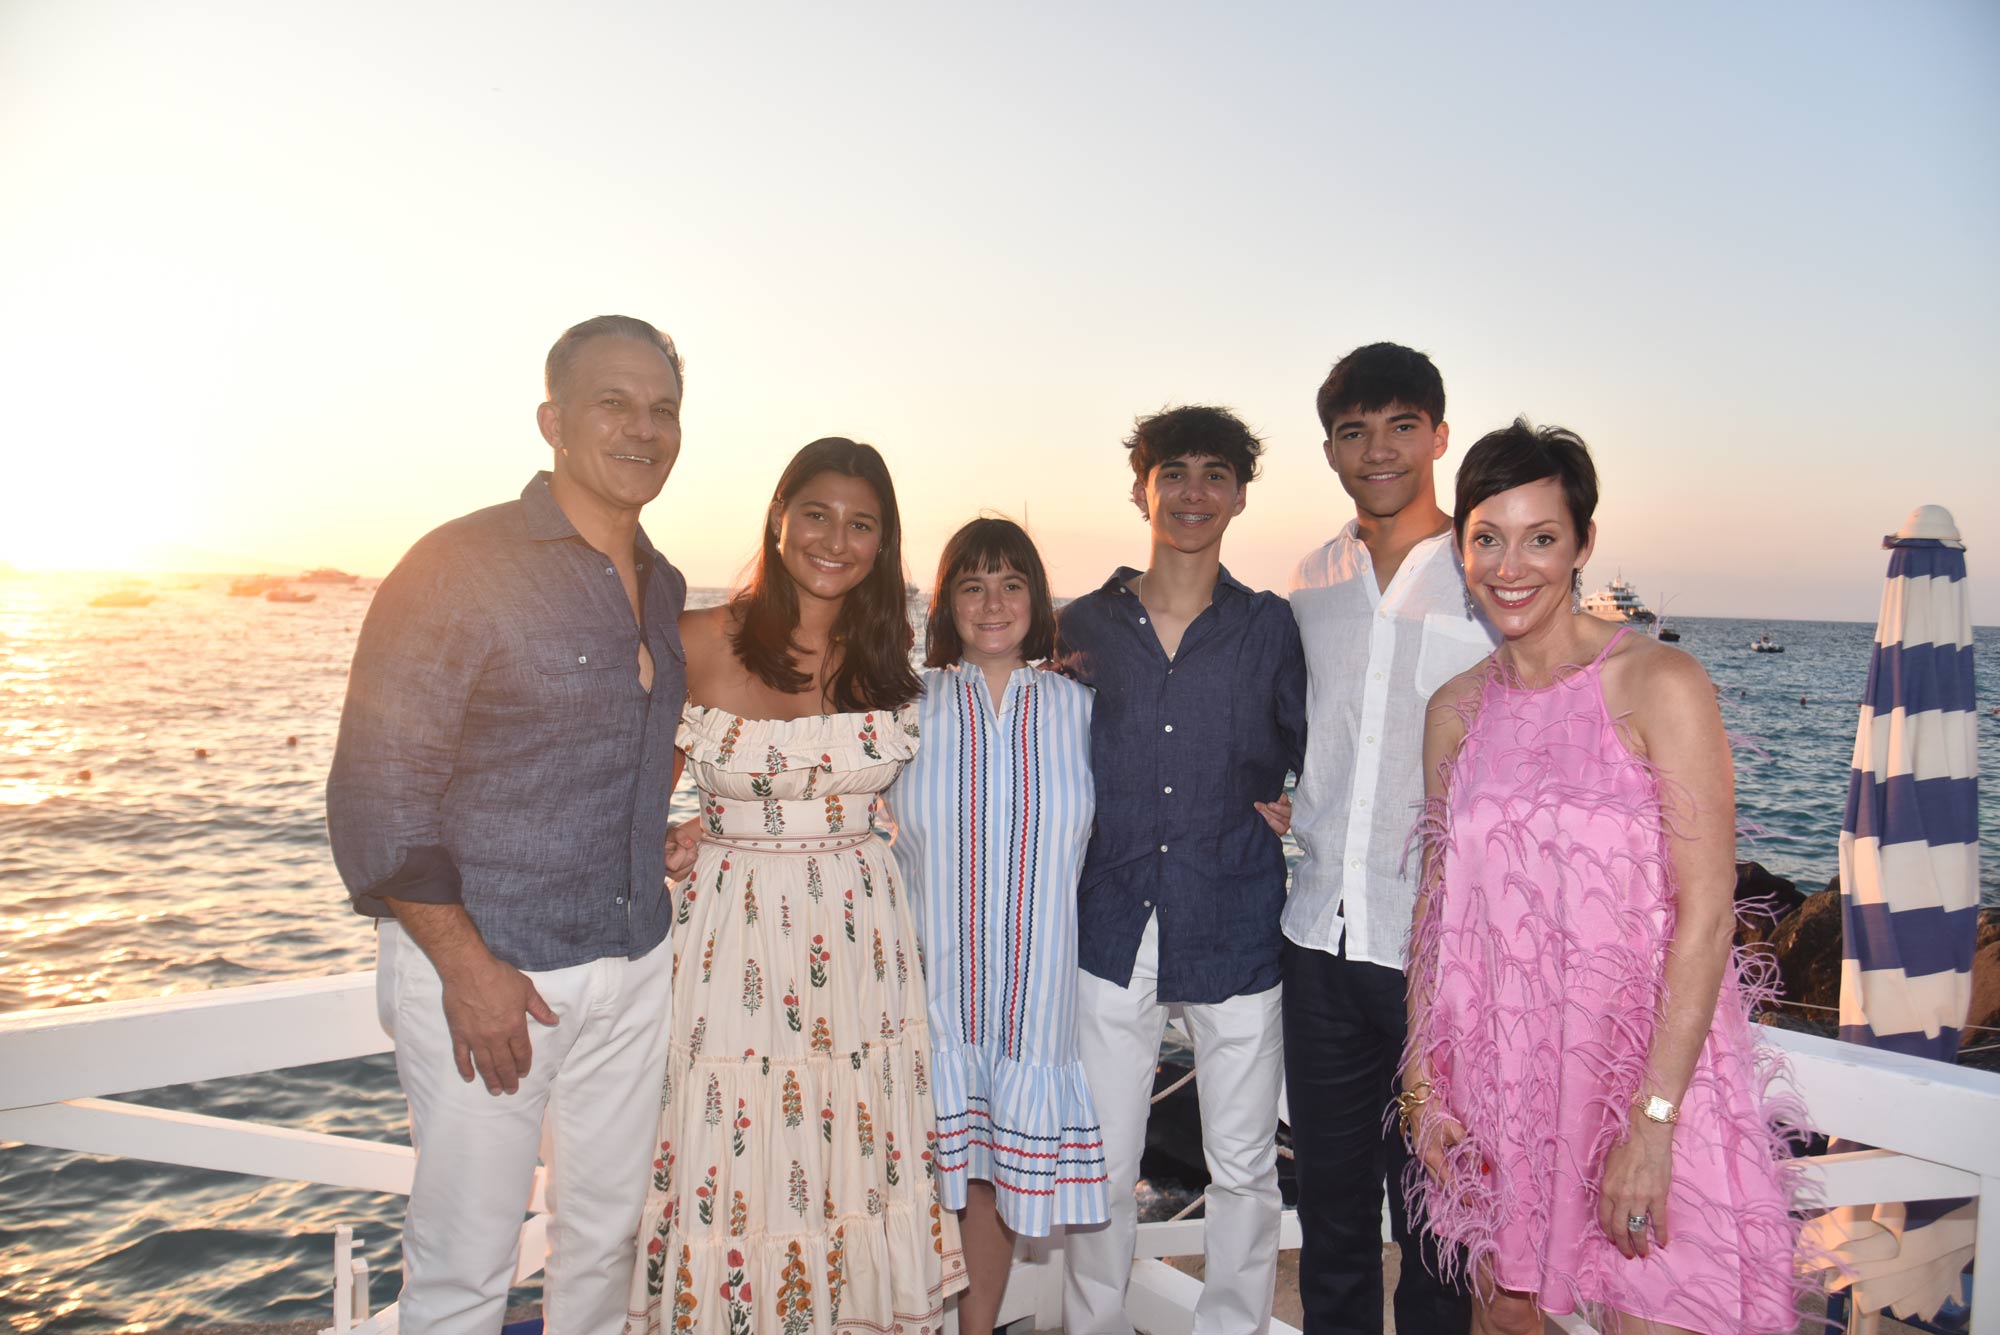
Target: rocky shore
{"x": 1800, "y": 931}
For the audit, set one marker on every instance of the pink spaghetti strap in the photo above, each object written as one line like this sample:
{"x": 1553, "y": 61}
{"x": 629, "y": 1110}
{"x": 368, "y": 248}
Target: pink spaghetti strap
{"x": 1609, "y": 645}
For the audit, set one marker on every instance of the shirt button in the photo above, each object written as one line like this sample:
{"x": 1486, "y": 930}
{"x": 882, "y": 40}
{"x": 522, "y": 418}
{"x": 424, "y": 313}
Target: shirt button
{"x": 1362, "y": 803}
{"x": 620, "y": 899}
{"x": 1354, "y": 863}
{"x": 1170, "y": 728}
{"x": 1168, "y": 789}
{"x": 1145, "y": 903}
{"x": 1142, "y": 621}
{"x": 583, "y": 658}
{"x": 1378, "y": 676}
{"x": 609, "y": 571}
{"x": 1371, "y": 741}
{"x": 1163, "y": 848}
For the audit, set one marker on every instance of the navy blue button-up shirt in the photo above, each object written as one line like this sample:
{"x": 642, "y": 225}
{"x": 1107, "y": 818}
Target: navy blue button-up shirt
{"x": 497, "y": 749}
{"x": 1180, "y": 747}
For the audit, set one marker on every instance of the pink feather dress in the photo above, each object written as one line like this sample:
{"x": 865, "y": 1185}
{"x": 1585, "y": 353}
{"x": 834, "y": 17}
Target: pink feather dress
{"x": 1539, "y": 967}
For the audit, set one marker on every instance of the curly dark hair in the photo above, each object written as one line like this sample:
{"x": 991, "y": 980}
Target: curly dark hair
{"x": 873, "y": 628}
{"x": 1191, "y": 431}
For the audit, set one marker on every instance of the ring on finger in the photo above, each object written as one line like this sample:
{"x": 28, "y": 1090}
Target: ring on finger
{"x": 1636, "y": 1223}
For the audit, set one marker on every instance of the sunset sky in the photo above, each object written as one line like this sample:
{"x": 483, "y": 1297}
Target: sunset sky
{"x": 278, "y": 279}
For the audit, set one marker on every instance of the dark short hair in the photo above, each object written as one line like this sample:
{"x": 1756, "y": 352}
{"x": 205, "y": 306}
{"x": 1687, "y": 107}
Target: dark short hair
{"x": 1371, "y": 378}
{"x": 1183, "y": 433}
{"x": 989, "y": 546}
{"x": 1522, "y": 453}
{"x": 873, "y": 627}
{"x": 555, "y": 371}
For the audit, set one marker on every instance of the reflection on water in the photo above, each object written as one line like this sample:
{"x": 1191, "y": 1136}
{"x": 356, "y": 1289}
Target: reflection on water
{"x": 161, "y": 773}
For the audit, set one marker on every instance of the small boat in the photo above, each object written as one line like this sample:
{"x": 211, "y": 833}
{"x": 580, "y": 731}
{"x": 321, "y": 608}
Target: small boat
{"x": 1764, "y": 644}
{"x": 327, "y": 575}
{"x": 250, "y": 586}
{"x": 122, "y": 598}
{"x": 1619, "y": 602}
{"x": 1668, "y": 634}
{"x": 289, "y": 596}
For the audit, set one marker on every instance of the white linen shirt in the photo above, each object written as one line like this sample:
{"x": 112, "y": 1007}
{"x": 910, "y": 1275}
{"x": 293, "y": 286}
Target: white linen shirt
{"x": 1373, "y": 658}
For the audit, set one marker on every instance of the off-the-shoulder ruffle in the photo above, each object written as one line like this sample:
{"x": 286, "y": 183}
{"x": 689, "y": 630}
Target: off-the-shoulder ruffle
{"x": 853, "y": 740}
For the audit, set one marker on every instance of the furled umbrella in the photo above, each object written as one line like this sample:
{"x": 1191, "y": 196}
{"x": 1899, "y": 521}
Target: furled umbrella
{"x": 1909, "y": 888}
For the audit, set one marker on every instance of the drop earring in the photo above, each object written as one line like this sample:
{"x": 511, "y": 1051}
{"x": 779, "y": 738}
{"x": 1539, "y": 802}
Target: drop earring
{"x": 1471, "y": 609}
{"x": 1576, "y": 591}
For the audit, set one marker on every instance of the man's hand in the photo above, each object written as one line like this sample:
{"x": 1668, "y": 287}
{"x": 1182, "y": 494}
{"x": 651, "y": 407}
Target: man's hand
{"x": 683, "y": 841}
{"x": 483, "y": 1007}
{"x": 484, "y": 998}
{"x": 1277, "y": 815}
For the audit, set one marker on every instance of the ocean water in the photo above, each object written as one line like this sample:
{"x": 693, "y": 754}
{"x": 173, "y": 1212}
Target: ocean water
{"x": 132, "y": 865}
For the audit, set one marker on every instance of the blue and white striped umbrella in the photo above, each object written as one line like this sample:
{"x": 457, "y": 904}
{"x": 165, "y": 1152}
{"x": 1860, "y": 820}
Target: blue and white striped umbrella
{"x": 1909, "y": 842}
{"x": 1909, "y": 894}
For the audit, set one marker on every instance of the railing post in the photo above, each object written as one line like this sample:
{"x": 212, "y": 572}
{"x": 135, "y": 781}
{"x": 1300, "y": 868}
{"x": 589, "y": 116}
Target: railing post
{"x": 343, "y": 1279}
{"x": 1986, "y": 1259}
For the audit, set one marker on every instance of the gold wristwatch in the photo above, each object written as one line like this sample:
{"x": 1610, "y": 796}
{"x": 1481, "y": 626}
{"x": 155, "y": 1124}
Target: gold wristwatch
{"x": 1656, "y": 1109}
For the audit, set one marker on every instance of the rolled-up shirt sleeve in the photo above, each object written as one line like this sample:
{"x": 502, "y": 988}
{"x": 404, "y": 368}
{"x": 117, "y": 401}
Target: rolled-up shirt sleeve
{"x": 418, "y": 658}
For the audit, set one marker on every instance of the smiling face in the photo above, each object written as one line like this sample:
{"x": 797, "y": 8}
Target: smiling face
{"x": 1384, "y": 458}
{"x": 1189, "y": 502}
{"x": 1520, "y": 549}
{"x": 615, "y": 423}
{"x": 992, "y": 612}
{"x": 828, "y": 534}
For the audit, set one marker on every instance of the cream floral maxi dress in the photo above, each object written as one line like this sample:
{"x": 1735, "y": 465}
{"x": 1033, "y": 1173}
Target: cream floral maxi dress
{"x": 794, "y": 1188}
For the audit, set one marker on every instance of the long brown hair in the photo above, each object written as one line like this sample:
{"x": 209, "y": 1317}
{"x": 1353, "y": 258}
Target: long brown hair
{"x": 873, "y": 628}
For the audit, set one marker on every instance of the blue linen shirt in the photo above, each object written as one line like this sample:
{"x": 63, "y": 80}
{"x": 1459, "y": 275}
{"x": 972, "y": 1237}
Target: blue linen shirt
{"x": 1180, "y": 749}
{"x": 496, "y": 748}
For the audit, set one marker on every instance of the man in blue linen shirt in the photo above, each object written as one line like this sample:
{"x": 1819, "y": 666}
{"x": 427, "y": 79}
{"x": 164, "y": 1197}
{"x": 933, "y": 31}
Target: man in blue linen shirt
{"x": 1200, "y": 711}
{"x": 498, "y": 802}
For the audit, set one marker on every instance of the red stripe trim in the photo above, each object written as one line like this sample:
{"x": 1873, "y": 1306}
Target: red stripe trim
{"x": 1028, "y": 796}
{"x": 972, "y": 870}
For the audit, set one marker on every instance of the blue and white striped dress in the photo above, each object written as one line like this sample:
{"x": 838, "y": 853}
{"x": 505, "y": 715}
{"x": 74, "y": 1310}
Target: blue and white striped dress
{"x": 993, "y": 815}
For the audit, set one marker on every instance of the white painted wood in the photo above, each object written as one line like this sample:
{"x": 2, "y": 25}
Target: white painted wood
{"x": 1185, "y": 1237}
{"x": 534, "y": 1248}
{"x": 1161, "y": 1300}
{"x": 1869, "y": 1095}
{"x": 101, "y": 1126}
{"x": 1568, "y": 1325}
{"x": 115, "y": 1047}
{"x": 1986, "y": 1243}
{"x": 1863, "y": 1177}
{"x": 343, "y": 1279}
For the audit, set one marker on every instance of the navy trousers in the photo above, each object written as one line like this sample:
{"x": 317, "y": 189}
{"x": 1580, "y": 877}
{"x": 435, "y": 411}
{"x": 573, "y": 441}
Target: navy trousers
{"x": 1344, "y": 1026}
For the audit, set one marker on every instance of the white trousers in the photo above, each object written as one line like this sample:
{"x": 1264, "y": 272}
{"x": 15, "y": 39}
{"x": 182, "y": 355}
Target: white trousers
{"x": 589, "y": 1105}
{"x": 1239, "y": 1071}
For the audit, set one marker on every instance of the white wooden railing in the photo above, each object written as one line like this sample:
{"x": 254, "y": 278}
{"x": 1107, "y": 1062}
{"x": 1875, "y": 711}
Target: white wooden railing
{"x": 1937, "y": 1126}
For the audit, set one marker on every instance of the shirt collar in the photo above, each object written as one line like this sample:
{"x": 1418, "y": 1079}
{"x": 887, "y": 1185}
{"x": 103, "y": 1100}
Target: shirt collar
{"x": 546, "y": 520}
{"x": 1124, "y": 575}
{"x": 548, "y": 523}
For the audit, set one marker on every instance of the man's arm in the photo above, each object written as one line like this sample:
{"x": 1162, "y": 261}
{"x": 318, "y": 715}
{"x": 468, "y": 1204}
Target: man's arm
{"x": 1288, "y": 696}
{"x": 418, "y": 658}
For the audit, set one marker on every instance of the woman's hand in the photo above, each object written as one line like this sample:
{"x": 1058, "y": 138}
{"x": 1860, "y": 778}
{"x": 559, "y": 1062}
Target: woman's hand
{"x": 1429, "y": 1130}
{"x": 1277, "y": 815}
{"x": 1637, "y": 1175}
{"x": 682, "y": 842}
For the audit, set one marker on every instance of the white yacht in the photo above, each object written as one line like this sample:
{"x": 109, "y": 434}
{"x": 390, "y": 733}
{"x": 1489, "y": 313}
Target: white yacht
{"x": 1619, "y": 601}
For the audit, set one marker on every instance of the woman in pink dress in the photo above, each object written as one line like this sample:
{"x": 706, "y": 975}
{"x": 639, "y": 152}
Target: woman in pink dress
{"x": 1588, "y": 1109}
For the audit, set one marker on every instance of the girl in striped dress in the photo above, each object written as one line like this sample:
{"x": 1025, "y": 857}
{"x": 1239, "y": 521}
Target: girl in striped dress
{"x": 993, "y": 817}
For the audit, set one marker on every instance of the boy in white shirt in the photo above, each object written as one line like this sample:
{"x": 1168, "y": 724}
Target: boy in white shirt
{"x": 1385, "y": 621}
